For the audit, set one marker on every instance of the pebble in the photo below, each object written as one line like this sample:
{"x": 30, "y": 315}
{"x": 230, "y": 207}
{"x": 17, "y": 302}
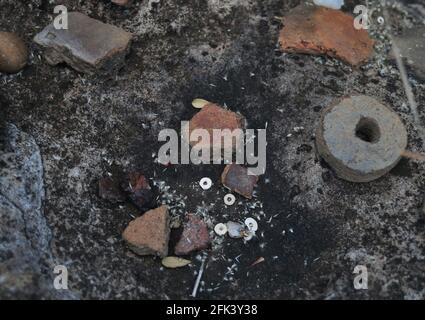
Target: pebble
{"x": 360, "y": 138}
{"x": 88, "y": 45}
{"x": 318, "y": 30}
{"x": 150, "y": 233}
{"x": 236, "y": 178}
{"x": 195, "y": 236}
{"x": 13, "y": 53}
{"x": 235, "y": 230}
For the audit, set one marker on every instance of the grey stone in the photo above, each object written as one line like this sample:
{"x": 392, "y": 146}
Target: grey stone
{"x": 412, "y": 48}
{"x": 88, "y": 45}
{"x": 25, "y": 256}
{"x": 360, "y": 138}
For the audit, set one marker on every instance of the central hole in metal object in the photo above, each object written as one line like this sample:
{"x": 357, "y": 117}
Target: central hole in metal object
{"x": 368, "y": 130}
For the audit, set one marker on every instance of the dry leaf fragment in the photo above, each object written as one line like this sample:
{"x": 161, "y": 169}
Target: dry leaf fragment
{"x": 199, "y": 103}
{"x": 174, "y": 262}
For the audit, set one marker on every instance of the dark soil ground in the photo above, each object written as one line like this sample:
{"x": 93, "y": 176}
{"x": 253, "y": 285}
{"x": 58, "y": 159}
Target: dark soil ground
{"x": 313, "y": 227}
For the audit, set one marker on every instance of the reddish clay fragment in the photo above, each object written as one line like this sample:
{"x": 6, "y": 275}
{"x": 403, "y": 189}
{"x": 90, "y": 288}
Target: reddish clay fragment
{"x": 149, "y": 234}
{"x": 212, "y": 117}
{"x": 319, "y": 30}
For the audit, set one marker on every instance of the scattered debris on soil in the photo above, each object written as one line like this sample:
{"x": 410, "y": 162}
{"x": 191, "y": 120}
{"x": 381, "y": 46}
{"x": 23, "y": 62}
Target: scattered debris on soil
{"x": 109, "y": 189}
{"x": 139, "y": 191}
{"x": 360, "y": 138}
{"x": 174, "y": 262}
{"x": 149, "y": 234}
{"x": 319, "y": 30}
{"x": 412, "y": 49}
{"x": 236, "y": 178}
{"x": 13, "y": 53}
{"x": 314, "y": 228}
{"x": 195, "y": 236}
{"x": 88, "y": 45}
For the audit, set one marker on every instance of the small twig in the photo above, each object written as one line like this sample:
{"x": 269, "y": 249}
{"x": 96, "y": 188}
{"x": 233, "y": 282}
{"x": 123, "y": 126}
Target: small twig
{"x": 405, "y": 80}
{"x": 198, "y": 279}
{"x": 413, "y": 155}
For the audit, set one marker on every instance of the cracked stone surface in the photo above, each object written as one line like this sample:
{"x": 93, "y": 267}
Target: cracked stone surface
{"x": 314, "y": 227}
{"x": 25, "y": 257}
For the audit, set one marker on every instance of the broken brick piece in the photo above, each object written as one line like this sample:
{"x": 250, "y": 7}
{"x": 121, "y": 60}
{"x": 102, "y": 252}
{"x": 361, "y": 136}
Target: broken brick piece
{"x": 88, "y": 45}
{"x": 195, "y": 236}
{"x": 149, "y": 234}
{"x": 213, "y": 117}
{"x": 236, "y": 178}
{"x": 109, "y": 190}
{"x": 139, "y": 191}
{"x": 319, "y": 30}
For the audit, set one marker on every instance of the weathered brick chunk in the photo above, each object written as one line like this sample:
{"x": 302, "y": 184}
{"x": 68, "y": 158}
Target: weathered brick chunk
{"x": 88, "y": 45}
{"x": 149, "y": 234}
{"x": 213, "y": 117}
{"x": 319, "y": 30}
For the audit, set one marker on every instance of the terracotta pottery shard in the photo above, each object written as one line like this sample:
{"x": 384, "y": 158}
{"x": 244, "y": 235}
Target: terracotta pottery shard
{"x": 212, "y": 117}
{"x": 236, "y": 178}
{"x": 195, "y": 236}
{"x": 88, "y": 45}
{"x": 149, "y": 234}
{"x": 319, "y": 30}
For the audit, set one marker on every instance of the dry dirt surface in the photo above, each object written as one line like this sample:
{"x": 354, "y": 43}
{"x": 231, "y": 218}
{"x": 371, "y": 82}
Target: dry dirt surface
{"x": 314, "y": 228}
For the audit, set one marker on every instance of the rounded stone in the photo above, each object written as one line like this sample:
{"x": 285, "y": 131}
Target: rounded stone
{"x": 13, "y": 53}
{"x": 360, "y": 138}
